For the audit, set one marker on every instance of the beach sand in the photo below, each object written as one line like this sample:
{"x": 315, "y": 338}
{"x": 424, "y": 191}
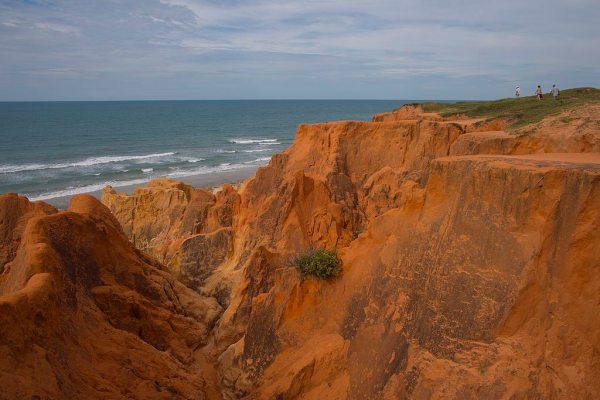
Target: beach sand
{"x": 208, "y": 181}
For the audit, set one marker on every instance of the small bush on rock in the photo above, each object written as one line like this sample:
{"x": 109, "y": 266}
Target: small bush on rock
{"x": 321, "y": 263}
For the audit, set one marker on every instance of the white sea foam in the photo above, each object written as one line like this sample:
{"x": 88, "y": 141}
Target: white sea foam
{"x": 269, "y": 143}
{"x": 204, "y": 170}
{"x": 224, "y": 151}
{"x": 250, "y": 141}
{"x": 256, "y": 150}
{"x": 258, "y": 160}
{"x": 9, "y": 169}
{"x": 86, "y": 189}
{"x": 219, "y": 168}
{"x": 146, "y": 170}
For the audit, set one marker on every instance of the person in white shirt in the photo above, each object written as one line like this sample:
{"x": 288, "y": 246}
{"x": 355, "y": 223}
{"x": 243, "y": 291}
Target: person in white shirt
{"x": 555, "y": 92}
{"x": 518, "y": 92}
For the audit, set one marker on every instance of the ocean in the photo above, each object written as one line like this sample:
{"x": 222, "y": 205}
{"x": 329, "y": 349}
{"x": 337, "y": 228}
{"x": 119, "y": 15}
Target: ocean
{"x": 51, "y": 150}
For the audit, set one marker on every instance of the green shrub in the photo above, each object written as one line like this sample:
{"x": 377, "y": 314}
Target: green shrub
{"x": 321, "y": 263}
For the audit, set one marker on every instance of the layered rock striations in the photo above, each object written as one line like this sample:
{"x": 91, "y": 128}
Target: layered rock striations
{"x": 471, "y": 261}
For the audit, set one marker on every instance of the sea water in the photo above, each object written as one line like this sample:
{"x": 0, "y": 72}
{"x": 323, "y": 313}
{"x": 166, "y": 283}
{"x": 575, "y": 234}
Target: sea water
{"x": 56, "y": 149}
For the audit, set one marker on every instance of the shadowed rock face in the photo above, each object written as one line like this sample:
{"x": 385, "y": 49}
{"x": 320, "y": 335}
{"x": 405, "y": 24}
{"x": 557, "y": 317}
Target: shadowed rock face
{"x": 15, "y": 211}
{"x": 470, "y": 271}
{"x": 83, "y": 314}
{"x": 200, "y": 255}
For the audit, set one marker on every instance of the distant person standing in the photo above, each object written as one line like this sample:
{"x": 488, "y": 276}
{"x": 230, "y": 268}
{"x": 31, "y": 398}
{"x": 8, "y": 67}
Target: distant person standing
{"x": 555, "y": 92}
{"x": 538, "y": 92}
{"x": 518, "y": 92}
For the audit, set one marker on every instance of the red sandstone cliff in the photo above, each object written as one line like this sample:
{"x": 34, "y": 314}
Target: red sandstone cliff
{"x": 470, "y": 259}
{"x": 83, "y": 314}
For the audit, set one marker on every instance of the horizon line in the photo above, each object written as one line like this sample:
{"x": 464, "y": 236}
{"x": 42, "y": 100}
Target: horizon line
{"x": 282, "y": 99}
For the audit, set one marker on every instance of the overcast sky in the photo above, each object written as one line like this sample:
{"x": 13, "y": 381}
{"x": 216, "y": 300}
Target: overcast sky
{"x": 338, "y": 49}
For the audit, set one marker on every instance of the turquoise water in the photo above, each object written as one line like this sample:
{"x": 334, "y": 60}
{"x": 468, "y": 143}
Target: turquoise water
{"x": 54, "y": 149}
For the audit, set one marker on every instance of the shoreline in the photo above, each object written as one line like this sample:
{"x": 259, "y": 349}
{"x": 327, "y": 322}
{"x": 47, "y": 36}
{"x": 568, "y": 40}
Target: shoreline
{"x": 205, "y": 181}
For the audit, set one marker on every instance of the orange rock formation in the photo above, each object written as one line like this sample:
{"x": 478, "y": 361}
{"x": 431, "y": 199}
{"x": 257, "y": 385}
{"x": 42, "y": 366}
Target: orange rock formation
{"x": 470, "y": 270}
{"x": 85, "y": 315}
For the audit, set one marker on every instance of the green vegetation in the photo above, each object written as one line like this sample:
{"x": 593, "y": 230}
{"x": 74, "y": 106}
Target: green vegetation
{"x": 321, "y": 263}
{"x": 518, "y": 112}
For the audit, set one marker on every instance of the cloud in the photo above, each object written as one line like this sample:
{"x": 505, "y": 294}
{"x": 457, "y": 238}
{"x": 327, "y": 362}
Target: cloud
{"x": 292, "y": 48}
{"x": 59, "y": 28}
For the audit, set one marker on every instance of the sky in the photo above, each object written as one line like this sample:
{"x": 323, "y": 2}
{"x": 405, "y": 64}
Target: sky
{"x": 294, "y": 49}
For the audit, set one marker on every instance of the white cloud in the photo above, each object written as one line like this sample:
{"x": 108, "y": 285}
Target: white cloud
{"x": 59, "y": 28}
{"x": 380, "y": 44}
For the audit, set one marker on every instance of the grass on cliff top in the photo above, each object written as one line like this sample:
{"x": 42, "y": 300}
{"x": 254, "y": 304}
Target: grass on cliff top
{"x": 518, "y": 112}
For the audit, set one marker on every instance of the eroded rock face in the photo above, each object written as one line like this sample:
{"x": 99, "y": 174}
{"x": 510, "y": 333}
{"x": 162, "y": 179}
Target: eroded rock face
{"x": 15, "y": 211}
{"x": 447, "y": 295}
{"x": 446, "y": 248}
{"x": 489, "y": 246}
{"x": 83, "y": 314}
{"x": 187, "y": 229}
{"x": 150, "y": 213}
{"x": 200, "y": 255}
